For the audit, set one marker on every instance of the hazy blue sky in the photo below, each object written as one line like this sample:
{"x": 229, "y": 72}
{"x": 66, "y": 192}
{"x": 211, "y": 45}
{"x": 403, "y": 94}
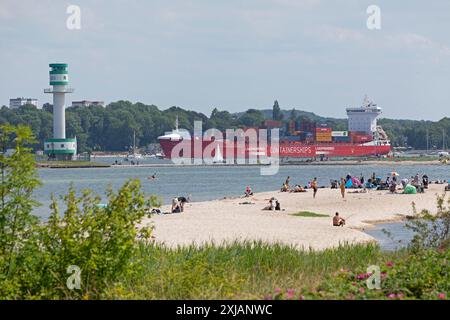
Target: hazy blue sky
{"x": 314, "y": 55}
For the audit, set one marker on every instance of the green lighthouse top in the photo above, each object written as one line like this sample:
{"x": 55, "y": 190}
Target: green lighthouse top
{"x": 59, "y": 74}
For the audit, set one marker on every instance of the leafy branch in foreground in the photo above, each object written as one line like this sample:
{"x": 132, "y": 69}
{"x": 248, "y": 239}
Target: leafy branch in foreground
{"x": 18, "y": 180}
{"x": 431, "y": 230}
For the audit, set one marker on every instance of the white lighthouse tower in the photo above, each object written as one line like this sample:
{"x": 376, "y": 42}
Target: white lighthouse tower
{"x": 59, "y": 147}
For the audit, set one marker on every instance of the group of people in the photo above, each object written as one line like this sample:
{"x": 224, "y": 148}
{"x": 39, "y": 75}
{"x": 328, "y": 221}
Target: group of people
{"x": 178, "y": 204}
{"x": 298, "y": 188}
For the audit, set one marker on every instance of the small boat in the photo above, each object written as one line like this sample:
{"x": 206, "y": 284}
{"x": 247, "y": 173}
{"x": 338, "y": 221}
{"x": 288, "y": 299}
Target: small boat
{"x": 218, "y": 158}
{"x": 134, "y": 155}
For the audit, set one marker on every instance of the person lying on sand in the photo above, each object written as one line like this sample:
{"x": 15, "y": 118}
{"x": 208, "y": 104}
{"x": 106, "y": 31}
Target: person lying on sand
{"x": 338, "y": 221}
{"x": 298, "y": 188}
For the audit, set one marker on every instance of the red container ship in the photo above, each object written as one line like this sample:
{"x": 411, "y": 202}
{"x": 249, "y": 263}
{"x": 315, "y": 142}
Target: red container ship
{"x": 363, "y": 138}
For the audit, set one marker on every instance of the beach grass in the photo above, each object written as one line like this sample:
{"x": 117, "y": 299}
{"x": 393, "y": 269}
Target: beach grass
{"x": 308, "y": 214}
{"x": 249, "y": 270}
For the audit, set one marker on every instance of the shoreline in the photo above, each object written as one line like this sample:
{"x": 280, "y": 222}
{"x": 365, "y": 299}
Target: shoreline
{"x": 228, "y": 219}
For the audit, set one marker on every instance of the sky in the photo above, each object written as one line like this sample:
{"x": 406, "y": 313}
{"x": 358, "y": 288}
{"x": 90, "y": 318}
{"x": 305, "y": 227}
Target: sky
{"x": 313, "y": 55}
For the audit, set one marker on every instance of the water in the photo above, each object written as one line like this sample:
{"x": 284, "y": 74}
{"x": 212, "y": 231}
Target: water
{"x": 401, "y": 235}
{"x": 209, "y": 183}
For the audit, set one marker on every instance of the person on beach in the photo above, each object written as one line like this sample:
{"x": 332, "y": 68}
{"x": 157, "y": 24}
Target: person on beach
{"x": 338, "y": 221}
{"x": 272, "y": 204}
{"x": 248, "y": 192}
{"x": 361, "y": 179}
{"x": 182, "y": 201}
{"x": 298, "y": 188}
{"x": 342, "y": 187}
{"x": 176, "y": 206}
{"x": 314, "y": 187}
{"x": 288, "y": 180}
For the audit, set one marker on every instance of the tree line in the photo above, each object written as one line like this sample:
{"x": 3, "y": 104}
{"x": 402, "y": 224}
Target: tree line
{"x": 111, "y": 128}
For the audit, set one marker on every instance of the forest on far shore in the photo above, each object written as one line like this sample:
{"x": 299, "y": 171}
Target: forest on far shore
{"x": 111, "y": 128}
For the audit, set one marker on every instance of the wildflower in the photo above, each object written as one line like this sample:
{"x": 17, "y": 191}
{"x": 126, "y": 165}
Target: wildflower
{"x": 290, "y": 293}
{"x": 389, "y": 264}
{"x": 361, "y": 290}
{"x": 400, "y": 295}
{"x": 277, "y": 291}
{"x": 391, "y": 295}
{"x": 268, "y": 297}
{"x": 441, "y": 295}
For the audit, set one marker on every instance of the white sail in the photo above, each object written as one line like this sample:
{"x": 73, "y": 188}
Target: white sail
{"x": 218, "y": 157}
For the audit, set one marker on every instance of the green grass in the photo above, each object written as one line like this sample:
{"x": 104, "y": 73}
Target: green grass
{"x": 235, "y": 271}
{"x": 308, "y": 214}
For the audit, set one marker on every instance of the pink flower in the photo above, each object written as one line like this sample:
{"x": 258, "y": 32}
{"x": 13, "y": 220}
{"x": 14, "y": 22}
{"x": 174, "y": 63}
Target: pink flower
{"x": 400, "y": 295}
{"x": 268, "y": 297}
{"x": 361, "y": 290}
{"x": 363, "y": 276}
{"x": 389, "y": 264}
{"x": 353, "y": 283}
{"x": 277, "y": 291}
{"x": 441, "y": 295}
{"x": 391, "y": 295}
{"x": 290, "y": 293}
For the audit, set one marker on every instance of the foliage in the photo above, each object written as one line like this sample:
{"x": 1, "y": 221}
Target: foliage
{"x": 239, "y": 270}
{"x": 18, "y": 180}
{"x": 415, "y": 276}
{"x": 431, "y": 230}
{"x": 112, "y": 128}
{"x": 308, "y": 214}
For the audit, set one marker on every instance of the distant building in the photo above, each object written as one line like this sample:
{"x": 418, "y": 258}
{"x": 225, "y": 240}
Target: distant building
{"x": 18, "y": 102}
{"x": 87, "y": 103}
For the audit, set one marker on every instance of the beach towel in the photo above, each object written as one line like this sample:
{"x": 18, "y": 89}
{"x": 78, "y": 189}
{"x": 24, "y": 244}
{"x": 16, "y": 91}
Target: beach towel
{"x": 409, "y": 189}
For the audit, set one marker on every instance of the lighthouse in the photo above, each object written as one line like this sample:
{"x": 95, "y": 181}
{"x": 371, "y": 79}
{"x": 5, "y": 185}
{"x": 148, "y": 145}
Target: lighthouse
{"x": 59, "y": 147}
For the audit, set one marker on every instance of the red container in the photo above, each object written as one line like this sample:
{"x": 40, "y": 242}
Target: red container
{"x": 324, "y": 130}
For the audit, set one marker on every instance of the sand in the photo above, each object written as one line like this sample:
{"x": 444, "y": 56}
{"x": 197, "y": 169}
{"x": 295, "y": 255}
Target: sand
{"x": 227, "y": 220}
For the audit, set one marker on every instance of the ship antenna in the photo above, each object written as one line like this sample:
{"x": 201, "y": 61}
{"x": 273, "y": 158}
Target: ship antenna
{"x": 366, "y": 101}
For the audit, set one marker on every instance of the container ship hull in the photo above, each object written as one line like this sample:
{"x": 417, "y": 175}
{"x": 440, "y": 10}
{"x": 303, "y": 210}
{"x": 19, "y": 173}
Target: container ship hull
{"x": 229, "y": 150}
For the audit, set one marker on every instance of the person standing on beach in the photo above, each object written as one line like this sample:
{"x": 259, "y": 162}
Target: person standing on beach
{"x": 342, "y": 187}
{"x": 288, "y": 179}
{"x": 314, "y": 187}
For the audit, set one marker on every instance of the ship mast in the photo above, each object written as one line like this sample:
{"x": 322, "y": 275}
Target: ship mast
{"x": 134, "y": 142}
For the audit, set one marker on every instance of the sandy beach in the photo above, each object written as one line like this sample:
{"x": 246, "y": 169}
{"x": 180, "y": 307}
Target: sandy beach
{"x": 228, "y": 219}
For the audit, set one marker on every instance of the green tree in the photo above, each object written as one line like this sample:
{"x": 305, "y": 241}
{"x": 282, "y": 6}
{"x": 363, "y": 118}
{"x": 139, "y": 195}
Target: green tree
{"x": 18, "y": 180}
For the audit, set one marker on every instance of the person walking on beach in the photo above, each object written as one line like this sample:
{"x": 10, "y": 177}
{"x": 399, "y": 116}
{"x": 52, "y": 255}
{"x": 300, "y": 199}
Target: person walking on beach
{"x": 342, "y": 187}
{"x": 314, "y": 187}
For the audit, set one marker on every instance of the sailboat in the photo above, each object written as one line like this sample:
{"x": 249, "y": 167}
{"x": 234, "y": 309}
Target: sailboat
{"x": 134, "y": 155}
{"x": 218, "y": 158}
